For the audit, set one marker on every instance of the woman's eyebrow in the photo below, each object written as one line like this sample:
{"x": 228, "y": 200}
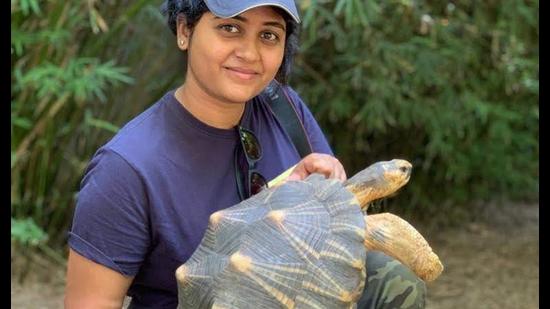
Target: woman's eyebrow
{"x": 275, "y": 24}
{"x": 267, "y": 23}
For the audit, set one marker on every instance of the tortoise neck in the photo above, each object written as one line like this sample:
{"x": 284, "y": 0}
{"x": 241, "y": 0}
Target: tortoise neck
{"x": 364, "y": 193}
{"x": 368, "y": 185}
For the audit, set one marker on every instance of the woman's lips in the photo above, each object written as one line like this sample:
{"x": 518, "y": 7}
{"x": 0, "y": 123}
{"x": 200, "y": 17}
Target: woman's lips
{"x": 242, "y": 73}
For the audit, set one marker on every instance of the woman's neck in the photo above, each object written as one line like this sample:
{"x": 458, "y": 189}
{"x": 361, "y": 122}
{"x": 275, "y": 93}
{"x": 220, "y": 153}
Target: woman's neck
{"x": 211, "y": 111}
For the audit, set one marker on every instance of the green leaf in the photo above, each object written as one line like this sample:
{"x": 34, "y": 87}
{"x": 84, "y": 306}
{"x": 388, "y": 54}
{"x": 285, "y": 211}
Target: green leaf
{"x": 21, "y": 122}
{"x": 26, "y": 232}
{"x": 28, "y": 6}
{"x": 98, "y": 123}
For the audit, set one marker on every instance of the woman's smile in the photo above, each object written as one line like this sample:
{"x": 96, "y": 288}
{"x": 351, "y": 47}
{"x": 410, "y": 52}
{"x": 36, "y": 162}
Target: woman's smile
{"x": 241, "y": 73}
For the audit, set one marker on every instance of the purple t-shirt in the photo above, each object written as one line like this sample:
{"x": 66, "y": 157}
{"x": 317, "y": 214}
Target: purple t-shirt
{"x": 147, "y": 194}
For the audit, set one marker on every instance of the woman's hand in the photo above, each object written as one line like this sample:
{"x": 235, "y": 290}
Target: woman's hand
{"x": 318, "y": 163}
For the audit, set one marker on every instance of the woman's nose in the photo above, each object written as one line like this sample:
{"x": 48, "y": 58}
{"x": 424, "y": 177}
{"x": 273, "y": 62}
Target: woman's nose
{"x": 248, "y": 50}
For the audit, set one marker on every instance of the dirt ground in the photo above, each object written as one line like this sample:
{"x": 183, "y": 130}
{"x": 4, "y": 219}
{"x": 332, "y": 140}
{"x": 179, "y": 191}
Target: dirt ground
{"x": 490, "y": 263}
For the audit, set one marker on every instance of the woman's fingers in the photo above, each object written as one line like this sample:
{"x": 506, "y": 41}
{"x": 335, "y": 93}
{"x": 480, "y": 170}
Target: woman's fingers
{"x": 318, "y": 163}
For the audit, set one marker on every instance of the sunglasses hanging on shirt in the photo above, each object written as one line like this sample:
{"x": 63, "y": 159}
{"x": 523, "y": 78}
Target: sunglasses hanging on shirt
{"x": 254, "y": 181}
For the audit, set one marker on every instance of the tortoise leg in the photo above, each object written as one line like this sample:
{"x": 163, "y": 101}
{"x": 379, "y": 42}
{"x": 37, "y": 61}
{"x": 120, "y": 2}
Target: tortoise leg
{"x": 397, "y": 238}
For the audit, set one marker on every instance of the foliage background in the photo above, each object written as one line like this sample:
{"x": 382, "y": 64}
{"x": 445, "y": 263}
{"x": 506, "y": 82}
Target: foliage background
{"x": 452, "y": 86}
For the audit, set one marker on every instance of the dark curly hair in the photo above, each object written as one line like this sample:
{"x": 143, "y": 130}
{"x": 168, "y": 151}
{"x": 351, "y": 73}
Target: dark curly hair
{"x": 192, "y": 10}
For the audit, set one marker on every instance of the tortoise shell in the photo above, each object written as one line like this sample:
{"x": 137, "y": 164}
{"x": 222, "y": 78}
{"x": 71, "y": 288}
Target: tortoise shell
{"x": 297, "y": 245}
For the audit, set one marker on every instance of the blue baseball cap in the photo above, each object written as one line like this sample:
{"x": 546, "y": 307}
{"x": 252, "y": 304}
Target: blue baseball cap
{"x": 230, "y": 8}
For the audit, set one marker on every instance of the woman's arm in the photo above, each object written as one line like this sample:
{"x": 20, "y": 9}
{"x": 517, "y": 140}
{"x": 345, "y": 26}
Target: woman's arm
{"x": 92, "y": 285}
{"x": 109, "y": 236}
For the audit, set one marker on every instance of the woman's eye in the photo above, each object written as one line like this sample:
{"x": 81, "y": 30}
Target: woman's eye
{"x": 229, "y": 28}
{"x": 269, "y": 36}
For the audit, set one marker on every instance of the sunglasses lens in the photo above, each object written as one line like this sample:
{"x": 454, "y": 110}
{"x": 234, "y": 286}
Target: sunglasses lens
{"x": 253, "y": 153}
{"x": 257, "y": 183}
{"x": 250, "y": 144}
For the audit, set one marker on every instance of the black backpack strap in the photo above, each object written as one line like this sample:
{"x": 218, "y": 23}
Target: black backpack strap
{"x": 285, "y": 112}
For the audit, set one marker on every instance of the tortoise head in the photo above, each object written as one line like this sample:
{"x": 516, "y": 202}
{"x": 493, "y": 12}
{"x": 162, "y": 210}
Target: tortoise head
{"x": 379, "y": 180}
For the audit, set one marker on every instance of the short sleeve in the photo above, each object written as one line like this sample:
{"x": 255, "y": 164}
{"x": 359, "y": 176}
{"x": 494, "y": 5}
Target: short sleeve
{"x": 316, "y": 137}
{"x": 111, "y": 221}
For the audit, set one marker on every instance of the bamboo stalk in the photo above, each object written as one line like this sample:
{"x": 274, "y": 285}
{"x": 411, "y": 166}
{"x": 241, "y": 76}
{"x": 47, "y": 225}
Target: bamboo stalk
{"x": 38, "y": 129}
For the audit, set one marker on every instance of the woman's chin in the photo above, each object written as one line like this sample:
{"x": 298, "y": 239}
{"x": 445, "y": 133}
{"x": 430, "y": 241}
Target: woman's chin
{"x": 242, "y": 94}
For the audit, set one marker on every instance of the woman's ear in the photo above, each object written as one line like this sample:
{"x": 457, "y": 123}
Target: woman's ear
{"x": 183, "y": 32}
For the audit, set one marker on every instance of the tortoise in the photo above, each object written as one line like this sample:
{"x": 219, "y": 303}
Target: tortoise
{"x": 302, "y": 244}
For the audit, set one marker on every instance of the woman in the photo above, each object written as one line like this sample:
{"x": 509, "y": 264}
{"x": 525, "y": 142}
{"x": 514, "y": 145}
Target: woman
{"x": 147, "y": 194}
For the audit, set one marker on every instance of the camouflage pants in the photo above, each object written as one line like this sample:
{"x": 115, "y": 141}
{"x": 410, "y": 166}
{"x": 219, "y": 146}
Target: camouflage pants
{"x": 390, "y": 285}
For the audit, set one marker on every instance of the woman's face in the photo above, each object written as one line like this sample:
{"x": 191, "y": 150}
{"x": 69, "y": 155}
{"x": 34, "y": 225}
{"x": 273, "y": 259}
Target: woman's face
{"x": 233, "y": 59}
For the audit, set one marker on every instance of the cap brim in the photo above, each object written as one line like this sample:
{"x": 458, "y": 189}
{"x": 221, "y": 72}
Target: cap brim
{"x": 221, "y": 9}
